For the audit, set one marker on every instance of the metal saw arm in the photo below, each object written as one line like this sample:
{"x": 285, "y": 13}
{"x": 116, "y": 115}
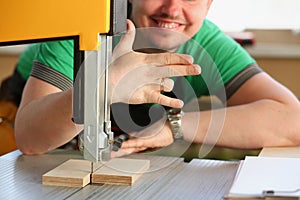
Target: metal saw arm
{"x": 89, "y": 24}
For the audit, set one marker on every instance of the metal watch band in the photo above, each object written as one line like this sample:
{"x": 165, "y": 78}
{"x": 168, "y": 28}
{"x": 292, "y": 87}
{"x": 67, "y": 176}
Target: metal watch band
{"x": 174, "y": 116}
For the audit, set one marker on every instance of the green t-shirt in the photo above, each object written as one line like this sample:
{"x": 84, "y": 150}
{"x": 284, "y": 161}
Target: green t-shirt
{"x": 25, "y": 61}
{"x": 53, "y": 63}
{"x": 221, "y": 60}
{"x": 225, "y": 64}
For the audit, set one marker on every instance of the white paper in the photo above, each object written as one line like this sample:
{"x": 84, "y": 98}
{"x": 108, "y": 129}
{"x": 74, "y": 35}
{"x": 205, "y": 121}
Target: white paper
{"x": 258, "y": 174}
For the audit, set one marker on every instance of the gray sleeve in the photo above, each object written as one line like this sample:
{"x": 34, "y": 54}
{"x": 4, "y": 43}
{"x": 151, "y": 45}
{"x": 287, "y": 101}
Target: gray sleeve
{"x": 51, "y": 76}
{"x": 236, "y": 82}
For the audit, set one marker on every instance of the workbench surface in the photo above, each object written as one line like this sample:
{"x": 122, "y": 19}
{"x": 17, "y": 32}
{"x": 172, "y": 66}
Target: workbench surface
{"x": 167, "y": 178}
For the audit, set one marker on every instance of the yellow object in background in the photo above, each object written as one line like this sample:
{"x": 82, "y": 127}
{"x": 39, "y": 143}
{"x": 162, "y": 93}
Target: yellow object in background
{"x": 36, "y": 19}
{"x": 8, "y": 112}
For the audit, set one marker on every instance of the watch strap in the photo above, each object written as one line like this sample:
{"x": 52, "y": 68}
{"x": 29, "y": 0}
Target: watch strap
{"x": 174, "y": 116}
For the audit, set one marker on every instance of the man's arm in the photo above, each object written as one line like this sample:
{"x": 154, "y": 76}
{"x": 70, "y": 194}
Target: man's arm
{"x": 261, "y": 113}
{"x": 43, "y": 121}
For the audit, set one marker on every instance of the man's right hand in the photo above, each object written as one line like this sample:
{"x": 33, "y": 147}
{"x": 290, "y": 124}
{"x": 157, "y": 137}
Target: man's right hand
{"x": 138, "y": 78}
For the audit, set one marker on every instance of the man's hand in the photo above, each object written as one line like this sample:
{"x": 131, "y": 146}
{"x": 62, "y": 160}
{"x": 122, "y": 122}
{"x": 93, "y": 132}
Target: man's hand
{"x": 155, "y": 136}
{"x": 139, "y": 77}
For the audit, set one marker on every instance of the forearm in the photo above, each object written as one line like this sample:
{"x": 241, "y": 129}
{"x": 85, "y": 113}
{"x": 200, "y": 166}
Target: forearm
{"x": 254, "y": 125}
{"x": 45, "y": 123}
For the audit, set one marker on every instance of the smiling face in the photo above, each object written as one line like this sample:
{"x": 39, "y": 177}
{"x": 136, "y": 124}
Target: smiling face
{"x": 172, "y": 22}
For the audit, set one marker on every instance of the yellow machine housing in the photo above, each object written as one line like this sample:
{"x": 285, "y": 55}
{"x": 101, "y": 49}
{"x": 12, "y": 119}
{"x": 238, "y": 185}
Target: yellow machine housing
{"x": 38, "y": 19}
{"x": 91, "y": 24}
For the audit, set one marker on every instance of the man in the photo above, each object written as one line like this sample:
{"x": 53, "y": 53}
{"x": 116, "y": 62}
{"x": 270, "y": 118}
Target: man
{"x": 44, "y": 118}
{"x": 260, "y": 112}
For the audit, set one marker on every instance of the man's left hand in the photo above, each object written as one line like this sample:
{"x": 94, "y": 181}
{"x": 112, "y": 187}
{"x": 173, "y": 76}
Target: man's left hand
{"x": 155, "y": 136}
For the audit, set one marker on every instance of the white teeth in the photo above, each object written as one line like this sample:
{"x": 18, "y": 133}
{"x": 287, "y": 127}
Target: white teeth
{"x": 167, "y": 25}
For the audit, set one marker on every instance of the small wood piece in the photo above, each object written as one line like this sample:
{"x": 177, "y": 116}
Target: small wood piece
{"x": 120, "y": 171}
{"x": 77, "y": 173}
{"x": 288, "y": 152}
{"x": 72, "y": 173}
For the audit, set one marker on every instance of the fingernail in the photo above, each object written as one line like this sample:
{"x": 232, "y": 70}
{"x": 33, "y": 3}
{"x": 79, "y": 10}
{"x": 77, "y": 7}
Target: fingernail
{"x": 181, "y": 103}
{"x": 196, "y": 69}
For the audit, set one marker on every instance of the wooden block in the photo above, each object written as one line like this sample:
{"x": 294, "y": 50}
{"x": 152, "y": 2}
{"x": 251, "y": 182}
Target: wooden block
{"x": 77, "y": 173}
{"x": 120, "y": 171}
{"x": 291, "y": 152}
{"x": 72, "y": 173}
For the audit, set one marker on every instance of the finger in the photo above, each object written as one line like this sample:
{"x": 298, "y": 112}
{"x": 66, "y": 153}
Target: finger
{"x": 177, "y": 70}
{"x": 166, "y": 84}
{"x": 126, "y": 151}
{"x": 126, "y": 42}
{"x": 168, "y": 58}
{"x": 166, "y": 101}
{"x": 136, "y": 150}
{"x": 129, "y": 37}
{"x": 133, "y": 143}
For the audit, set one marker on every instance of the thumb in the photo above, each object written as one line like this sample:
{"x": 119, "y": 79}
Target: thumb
{"x": 126, "y": 42}
{"x": 128, "y": 39}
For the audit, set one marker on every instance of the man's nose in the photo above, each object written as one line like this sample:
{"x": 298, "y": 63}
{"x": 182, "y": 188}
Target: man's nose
{"x": 172, "y": 7}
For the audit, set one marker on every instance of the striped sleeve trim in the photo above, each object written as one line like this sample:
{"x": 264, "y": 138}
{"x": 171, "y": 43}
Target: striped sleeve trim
{"x": 51, "y": 76}
{"x": 234, "y": 84}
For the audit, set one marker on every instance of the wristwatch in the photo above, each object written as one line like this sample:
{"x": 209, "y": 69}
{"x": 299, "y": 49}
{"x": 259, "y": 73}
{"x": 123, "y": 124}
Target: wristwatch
{"x": 174, "y": 116}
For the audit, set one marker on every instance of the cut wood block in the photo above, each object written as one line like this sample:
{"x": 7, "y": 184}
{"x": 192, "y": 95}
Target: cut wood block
{"x": 77, "y": 173}
{"x": 120, "y": 171}
{"x": 72, "y": 173}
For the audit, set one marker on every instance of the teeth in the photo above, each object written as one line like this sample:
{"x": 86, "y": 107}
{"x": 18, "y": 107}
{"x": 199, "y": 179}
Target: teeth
{"x": 167, "y": 25}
